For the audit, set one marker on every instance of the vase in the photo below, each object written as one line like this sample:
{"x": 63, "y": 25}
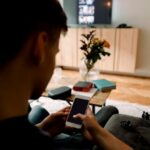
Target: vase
{"x": 92, "y": 74}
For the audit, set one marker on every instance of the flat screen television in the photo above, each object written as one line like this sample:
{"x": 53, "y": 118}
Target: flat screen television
{"x": 88, "y": 12}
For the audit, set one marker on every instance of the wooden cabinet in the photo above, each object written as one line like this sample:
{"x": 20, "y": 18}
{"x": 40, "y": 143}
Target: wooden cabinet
{"x": 126, "y": 50}
{"x": 68, "y": 49}
{"x": 107, "y": 62}
{"x": 123, "y": 48}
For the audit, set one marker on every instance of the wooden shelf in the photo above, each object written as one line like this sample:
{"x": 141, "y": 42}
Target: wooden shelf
{"x": 124, "y": 47}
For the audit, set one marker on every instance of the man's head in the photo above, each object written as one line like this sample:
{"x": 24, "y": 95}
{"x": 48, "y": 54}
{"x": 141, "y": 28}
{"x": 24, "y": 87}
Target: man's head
{"x": 30, "y": 31}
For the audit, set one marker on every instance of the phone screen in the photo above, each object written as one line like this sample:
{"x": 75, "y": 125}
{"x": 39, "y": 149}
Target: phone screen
{"x": 79, "y": 106}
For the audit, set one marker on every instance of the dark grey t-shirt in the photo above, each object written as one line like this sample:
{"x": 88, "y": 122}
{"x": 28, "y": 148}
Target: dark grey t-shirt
{"x": 18, "y": 133}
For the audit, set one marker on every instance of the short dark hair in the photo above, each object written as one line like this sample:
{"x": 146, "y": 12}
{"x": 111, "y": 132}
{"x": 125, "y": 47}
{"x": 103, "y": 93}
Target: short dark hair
{"x": 22, "y": 18}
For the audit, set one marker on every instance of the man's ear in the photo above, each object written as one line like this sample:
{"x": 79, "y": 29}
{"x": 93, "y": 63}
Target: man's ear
{"x": 39, "y": 51}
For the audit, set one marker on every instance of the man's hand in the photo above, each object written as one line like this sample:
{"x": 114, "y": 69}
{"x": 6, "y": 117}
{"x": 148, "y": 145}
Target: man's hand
{"x": 103, "y": 138}
{"x": 54, "y": 123}
{"x": 89, "y": 122}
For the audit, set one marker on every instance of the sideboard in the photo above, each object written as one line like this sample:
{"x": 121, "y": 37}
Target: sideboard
{"x": 124, "y": 47}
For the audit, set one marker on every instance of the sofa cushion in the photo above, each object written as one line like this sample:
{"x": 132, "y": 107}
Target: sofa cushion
{"x": 145, "y": 133}
{"x": 137, "y": 137}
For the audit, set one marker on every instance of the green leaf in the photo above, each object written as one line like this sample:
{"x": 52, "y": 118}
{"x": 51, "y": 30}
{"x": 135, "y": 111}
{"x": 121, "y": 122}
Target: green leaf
{"x": 83, "y": 41}
{"x": 84, "y": 35}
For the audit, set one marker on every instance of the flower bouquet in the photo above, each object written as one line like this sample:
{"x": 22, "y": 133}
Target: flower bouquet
{"x": 93, "y": 49}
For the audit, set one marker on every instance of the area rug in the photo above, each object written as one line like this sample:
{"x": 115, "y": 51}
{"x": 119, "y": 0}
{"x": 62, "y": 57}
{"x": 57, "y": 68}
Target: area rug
{"x": 128, "y": 108}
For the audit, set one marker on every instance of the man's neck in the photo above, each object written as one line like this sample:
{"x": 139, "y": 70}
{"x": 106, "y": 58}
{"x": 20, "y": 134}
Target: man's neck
{"x": 12, "y": 110}
{"x": 14, "y": 96}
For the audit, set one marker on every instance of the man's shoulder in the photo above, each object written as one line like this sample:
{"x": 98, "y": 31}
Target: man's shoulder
{"x": 18, "y": 131}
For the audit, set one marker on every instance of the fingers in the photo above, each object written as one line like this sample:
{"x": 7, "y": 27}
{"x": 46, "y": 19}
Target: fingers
{"x": 89, "y": 112}
{"x": 59, "y": 114}
{"x": 79, "y": 116}
{"x": 62, "y": 113}
{"x": 65, "y": 109}
{"x": 56, "y": 116}
{"x": 88, "y": 121}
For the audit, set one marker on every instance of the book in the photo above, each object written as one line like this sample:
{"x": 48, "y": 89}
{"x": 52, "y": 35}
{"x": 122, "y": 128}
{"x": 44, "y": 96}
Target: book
{"x": 83, "y": 86}
{"x": 88, "y": 94}
{"x": 104, "y": 85}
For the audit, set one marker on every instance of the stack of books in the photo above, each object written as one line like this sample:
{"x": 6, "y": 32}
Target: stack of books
{"x": 84, "y": 88}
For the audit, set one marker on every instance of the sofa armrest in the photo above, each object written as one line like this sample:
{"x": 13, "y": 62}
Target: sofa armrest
{"x": 103, "y": 115}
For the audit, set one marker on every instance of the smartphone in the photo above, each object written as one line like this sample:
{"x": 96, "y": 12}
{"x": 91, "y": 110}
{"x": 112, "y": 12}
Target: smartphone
{"x": 79, "y": 105}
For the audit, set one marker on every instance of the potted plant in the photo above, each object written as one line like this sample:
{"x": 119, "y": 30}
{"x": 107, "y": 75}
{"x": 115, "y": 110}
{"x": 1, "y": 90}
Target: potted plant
{"x": 93, "y": 50}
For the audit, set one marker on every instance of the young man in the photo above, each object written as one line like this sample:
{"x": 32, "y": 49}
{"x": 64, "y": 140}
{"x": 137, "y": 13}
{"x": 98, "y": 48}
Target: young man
{"x": 30, "y": 32}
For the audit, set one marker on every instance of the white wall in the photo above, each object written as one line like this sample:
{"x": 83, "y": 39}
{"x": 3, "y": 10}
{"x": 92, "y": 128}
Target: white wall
{"x": 137, "y": 14}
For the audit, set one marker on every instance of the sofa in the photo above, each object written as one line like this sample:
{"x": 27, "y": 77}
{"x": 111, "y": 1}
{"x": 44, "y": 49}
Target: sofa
{"x": 133, "y": 131}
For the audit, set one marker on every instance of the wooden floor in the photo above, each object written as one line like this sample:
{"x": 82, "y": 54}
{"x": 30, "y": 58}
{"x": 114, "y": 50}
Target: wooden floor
{"x": 131, "y": 89}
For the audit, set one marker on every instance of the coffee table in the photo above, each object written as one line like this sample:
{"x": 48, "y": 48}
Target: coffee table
{"x": 98, "y": 99}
